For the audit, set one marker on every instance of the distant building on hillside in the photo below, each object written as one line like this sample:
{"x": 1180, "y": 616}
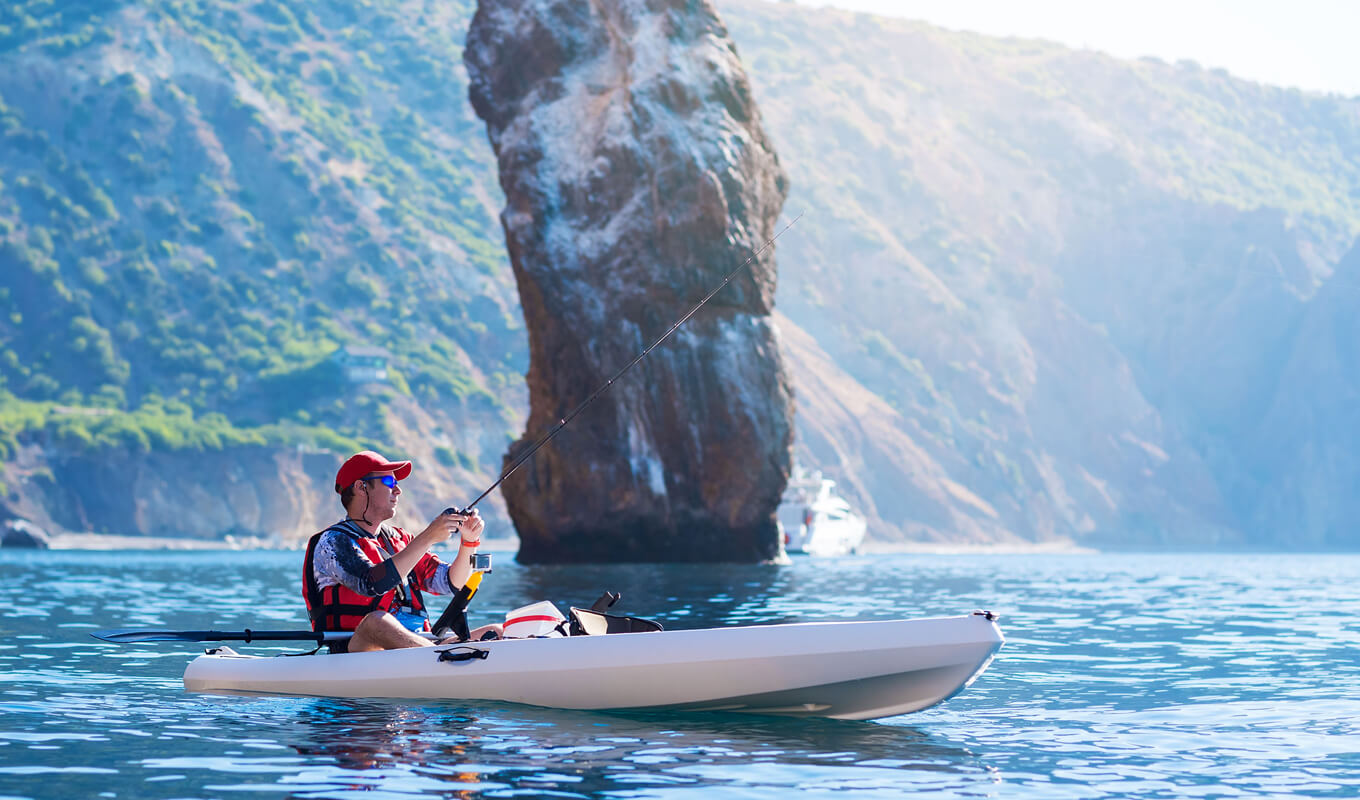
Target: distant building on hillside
{"x": 363, "y": 363}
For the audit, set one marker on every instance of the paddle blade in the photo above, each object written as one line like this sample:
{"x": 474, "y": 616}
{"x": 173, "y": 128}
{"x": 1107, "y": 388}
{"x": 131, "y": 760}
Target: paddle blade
{"x": 132, "y": 636}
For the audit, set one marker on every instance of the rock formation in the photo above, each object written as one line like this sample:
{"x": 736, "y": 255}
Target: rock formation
{"x": 636, "y": 175}
{"x": 20, "y": 533}
{"x": 248, "y": 491}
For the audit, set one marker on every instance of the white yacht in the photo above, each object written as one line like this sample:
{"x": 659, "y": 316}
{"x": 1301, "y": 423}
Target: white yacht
{"x": 817, "y": 521}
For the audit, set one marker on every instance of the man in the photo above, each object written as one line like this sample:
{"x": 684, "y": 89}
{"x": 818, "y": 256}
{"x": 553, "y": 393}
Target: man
{"x": 364, "y": 575}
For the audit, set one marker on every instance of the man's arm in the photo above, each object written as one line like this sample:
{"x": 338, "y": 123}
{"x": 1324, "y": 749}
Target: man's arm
{"x": 429, "y": 568}
{"x": 440, "y": 529}
{"x": 339, "y": 560}
{"x": 470, "y": 530}
{"x": 437, "y": 531}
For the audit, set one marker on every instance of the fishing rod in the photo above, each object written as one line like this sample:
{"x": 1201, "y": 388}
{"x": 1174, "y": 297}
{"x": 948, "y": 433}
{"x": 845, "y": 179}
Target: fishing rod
{"x": 454, "y": 618}
{"x": 562, "y": 423}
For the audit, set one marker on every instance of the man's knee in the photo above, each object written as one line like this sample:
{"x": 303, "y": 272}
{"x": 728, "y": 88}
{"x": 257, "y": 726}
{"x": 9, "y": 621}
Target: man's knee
{"x": 375, "y": 620}
{"x": 374, "y": 632}
{"x": 379, "y": 630}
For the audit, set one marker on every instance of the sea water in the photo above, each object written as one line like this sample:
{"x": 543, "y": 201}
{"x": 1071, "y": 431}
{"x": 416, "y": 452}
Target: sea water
{"x": 1122, "y": 676}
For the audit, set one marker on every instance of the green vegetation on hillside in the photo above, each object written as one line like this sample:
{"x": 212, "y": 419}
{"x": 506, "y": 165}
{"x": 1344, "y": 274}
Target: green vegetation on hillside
{"x": 269, "y": 182}
{"x": 252, "y": 184}
{"x": 157, "y": 425}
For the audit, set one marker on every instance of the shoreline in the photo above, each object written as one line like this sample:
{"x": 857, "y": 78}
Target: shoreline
{"x": 96, "y": 542}
{"x": 975, "y": 548}
{"x": 108, "y": 541}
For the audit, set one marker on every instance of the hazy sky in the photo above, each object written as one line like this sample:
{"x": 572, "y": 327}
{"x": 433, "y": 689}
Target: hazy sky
{"x": 1311, "y": 44}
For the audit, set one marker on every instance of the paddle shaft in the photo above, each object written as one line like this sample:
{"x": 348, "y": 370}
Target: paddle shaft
{"x": 132, "y": 636}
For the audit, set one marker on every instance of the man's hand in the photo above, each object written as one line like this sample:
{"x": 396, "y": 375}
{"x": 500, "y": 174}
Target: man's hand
{"x": 442, "y": 528}
{"x": 470, "y": 526}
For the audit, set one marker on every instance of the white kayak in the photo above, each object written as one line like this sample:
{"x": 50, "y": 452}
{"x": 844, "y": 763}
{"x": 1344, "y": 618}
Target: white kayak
{"x": 844, "y": 670}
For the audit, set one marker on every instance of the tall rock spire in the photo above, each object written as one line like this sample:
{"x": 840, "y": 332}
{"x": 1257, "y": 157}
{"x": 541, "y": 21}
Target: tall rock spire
{"x": 636, "y": 175}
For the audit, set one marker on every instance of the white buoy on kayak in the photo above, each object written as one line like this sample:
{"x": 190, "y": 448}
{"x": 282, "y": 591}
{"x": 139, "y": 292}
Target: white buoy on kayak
{"x": 534, "y": 620}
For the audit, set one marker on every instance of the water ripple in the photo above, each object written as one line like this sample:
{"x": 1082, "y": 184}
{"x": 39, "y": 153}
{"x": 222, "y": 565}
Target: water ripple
{"x": 1136, "y": 676}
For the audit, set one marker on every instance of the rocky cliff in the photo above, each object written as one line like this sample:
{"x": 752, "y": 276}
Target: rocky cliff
{"x": 637, "y": 174}
{"x": 239, "y": 491}
{"x": 250, "y": 491}
{"x": 1096, "y": 296}
{"x": 1306, "y": 425}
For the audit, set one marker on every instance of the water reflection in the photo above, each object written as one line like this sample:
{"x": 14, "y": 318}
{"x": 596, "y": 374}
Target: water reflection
{"x": 380, "y": 745}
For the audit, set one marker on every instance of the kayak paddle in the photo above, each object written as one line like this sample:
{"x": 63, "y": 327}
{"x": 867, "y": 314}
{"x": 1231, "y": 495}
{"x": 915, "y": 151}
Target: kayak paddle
{"x": 132, "y": 636}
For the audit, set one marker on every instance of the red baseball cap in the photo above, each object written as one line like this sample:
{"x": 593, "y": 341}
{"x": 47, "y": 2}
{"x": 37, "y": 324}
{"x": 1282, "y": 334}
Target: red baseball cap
{"x": 361, "y": 464}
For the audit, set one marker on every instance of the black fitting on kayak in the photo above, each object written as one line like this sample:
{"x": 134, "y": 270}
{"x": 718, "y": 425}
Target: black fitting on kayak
{"x": 606, "y": 601}
{"x": 463, "y": 654}
{"x": 454, "y": 619}
{"x": 588, "y": 622}
{"x": 990, "y": 617}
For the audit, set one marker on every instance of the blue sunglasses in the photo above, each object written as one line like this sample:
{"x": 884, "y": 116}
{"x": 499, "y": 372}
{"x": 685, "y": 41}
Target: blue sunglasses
{"x": 389, "y": 481}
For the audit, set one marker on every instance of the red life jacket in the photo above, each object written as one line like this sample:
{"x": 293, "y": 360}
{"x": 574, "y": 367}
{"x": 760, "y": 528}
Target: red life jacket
{"x": 339, "y": 608}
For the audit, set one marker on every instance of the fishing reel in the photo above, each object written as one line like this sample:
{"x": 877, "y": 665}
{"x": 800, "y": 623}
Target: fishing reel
{"x": 481, "y": 562}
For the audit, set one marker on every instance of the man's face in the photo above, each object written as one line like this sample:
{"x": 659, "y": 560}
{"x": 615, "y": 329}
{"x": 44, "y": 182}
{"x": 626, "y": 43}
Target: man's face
{"x": 382, "y": 499}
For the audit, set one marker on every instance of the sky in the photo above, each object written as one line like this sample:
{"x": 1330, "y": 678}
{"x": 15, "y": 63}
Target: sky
{"x": 1309, "y": 44}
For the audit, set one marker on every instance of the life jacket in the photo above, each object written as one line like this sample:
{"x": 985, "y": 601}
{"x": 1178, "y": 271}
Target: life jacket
{"x": 339, "y": 608}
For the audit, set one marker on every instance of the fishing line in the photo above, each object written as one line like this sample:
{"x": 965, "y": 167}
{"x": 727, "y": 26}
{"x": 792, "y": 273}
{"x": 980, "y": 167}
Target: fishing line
{"x": 562, "y": 423}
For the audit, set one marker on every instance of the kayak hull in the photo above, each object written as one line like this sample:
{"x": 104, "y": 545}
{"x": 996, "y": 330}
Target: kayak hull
{"x": 844, "y": 670}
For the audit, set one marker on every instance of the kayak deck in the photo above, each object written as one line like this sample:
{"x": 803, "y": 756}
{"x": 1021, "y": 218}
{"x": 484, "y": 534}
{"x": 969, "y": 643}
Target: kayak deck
{"x": 845, "y": 670}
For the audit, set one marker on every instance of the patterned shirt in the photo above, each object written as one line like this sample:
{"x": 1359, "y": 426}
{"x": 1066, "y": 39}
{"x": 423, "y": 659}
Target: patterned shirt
{"x": 338, "y": 559}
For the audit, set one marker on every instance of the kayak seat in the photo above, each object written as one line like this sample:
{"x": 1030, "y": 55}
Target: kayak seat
{"x": 587, "y": 622}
